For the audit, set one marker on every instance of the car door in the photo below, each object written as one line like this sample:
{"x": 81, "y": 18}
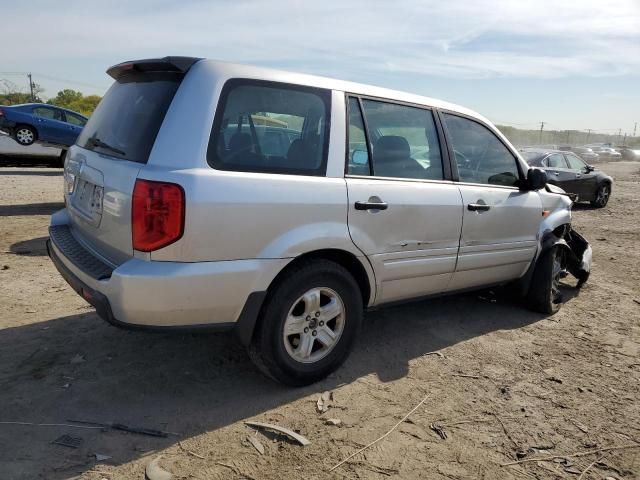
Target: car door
{"x": 558, "y": 171}
{"x": 74, "y": 125}
{"x": 584, "y": 180}
{"x": 50, "y": 124}
{"x": 403, "y": 214}
{"x": 500, "y": 221}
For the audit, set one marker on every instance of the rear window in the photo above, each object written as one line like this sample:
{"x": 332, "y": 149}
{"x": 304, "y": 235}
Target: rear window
{"x": 127, "y": 120}
{"x": 271, "y": 128}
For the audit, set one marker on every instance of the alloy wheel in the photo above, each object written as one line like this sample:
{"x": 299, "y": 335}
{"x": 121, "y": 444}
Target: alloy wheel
{"x": 24, "y": 136}
{"x": 314, "y": 325}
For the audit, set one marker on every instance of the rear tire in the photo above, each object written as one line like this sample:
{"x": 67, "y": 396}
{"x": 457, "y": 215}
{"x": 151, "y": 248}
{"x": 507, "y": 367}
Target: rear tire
{"x": 25, "y": 135}
{"x": 602, "y": 196}
{"x": 544, "y": 294}
{"x": 320, "y": 305}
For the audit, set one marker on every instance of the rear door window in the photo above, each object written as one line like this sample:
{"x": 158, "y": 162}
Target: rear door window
{"x": 272, "y": 128}
{"x": 127, "y": 120}
{"x": 75, "y": 119}
{"x": 404, "y": 141}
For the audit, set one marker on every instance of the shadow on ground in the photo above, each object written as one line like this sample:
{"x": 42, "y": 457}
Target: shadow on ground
{"x": 189, "y": 384}
{"x": 46, "y": 208}
{"x": 34, "y": 247}
{"x": 30, "y": 161}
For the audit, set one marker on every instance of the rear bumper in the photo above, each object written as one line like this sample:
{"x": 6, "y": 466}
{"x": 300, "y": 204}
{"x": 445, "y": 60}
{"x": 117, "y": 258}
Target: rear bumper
{"x": 7, "y": 126}
{"x": 168, "y": 295}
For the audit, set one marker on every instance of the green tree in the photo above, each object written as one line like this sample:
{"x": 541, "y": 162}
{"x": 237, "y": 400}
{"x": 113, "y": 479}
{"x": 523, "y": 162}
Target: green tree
{"x": 76, "y": 101}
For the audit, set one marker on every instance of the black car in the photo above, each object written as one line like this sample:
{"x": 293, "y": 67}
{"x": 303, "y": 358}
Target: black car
{"x": 569, "y": 172}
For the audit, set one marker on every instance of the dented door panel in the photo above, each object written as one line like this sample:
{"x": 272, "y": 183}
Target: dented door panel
{"x": 413, "y": 243}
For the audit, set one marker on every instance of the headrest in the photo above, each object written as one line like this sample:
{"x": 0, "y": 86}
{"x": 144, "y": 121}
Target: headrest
{"x": 391, "y": 147}
{"x": 240, "y": 141}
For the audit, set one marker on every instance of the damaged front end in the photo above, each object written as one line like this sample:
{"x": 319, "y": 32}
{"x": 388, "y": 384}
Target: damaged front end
{"x": 578, "y": 256}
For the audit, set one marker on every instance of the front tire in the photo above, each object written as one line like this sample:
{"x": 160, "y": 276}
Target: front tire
{"x": 25, "y": 135}
{"x": 602, "y": 196}
{"x": 544, "y": 294}
{"x": 308, "y": 323}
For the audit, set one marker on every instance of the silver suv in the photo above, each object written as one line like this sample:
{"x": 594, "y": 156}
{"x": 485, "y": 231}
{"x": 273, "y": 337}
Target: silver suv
{"x": 208, "y": 195}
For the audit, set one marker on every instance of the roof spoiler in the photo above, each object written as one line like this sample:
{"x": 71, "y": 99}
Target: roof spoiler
{"x": 166, "y": 64}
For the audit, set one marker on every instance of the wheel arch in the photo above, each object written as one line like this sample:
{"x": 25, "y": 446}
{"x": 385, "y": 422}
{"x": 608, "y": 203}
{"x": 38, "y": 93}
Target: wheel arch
{"x": 25, "y": 124}
{"x": 359, "y": 268}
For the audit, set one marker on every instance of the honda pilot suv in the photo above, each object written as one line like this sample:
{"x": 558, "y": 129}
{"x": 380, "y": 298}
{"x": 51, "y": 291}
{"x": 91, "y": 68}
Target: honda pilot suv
{"x": 206, "y": 195}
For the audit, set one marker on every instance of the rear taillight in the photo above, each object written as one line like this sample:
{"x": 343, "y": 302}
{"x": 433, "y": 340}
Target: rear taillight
{"x": 157, "y": 214}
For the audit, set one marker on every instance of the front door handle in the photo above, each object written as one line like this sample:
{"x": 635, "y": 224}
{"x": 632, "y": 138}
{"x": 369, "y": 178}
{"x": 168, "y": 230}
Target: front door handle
{"x": 578, "y": 175}
{"x": 478, "y": 207}
{"x": 371, "y": 205}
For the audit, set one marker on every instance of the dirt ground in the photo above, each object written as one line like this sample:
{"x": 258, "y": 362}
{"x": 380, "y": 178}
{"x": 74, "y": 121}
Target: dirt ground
{"x": 510, "y": 384}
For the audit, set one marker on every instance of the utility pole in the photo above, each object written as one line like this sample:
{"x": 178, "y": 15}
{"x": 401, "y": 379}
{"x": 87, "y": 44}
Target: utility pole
{"x": 31, "y": 87}
{"x": 541, "y": 128}
{"x": 634, "y": 129}
{"x": 588, "y": 135}
{"x": 619, "y": 134}
{"x": 624, "y": 142}
{"x": 568, "y": 132}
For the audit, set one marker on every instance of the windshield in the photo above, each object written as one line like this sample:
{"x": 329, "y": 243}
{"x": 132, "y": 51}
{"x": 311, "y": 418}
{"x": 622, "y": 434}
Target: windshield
{"x": 128, "y": 118}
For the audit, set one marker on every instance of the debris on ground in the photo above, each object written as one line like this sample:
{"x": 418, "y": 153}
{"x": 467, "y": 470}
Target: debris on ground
{"x": 68, "y": 441}
{"x": 77, "y": 358}
{"x": 126, "y": 428}
{"x": 155, "y": 472}
{"x": 257, "y": 444}
{"x": 336, "y": 422}
{"x": 283, "y": 430}
{"x": 439, "y": 429}
{"x": 324, "y": 401}
{"x": 100, "y": 457}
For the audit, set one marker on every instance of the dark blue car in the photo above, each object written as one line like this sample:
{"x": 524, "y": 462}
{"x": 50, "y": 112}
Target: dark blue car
{"x": 38, "y": 122}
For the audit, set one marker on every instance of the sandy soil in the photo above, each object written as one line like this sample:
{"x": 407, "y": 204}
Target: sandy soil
{"x": 512, "y": 384}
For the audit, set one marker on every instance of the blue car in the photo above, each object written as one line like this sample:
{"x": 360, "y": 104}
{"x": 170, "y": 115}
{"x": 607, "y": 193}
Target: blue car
{"x": 38, "y": 122}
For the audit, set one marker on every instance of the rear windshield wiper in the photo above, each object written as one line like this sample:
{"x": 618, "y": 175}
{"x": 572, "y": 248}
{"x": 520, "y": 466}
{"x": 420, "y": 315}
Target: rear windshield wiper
{"x": 96, "y": 142}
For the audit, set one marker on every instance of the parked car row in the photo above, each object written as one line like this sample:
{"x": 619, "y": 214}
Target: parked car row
{"x": 570, "y": 172}
{"x": 594, "y": 152}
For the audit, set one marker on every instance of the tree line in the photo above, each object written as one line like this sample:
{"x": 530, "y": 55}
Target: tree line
{"x": 67, "y": 98}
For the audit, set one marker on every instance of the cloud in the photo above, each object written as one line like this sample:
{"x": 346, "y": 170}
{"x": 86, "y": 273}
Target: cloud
{"x": 479, "y": 39}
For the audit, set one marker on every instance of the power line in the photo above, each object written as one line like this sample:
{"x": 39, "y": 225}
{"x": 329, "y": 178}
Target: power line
{"x": 58, "y": 79}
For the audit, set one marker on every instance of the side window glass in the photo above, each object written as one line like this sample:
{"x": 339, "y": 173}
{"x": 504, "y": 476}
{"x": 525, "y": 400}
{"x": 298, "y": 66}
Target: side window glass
{"x": 575, "y": 163}
{"x": 358, "y": 161}
{"x": 405, "y": 141}
{"x": 75, "y": 119}
{"x": 481, "y": 157}
{"x": 44, "y": 112}
{"x": 271, "y": 128}
{"x": 556, "y": 160}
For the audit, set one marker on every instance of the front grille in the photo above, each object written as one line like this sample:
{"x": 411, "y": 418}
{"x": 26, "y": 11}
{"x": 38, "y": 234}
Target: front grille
{"x": 64, "y": 240}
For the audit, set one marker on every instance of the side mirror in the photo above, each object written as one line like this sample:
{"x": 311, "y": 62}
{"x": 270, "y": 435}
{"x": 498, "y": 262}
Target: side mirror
{"x": 590, "y": 168}
{"x": 536, "y": 179}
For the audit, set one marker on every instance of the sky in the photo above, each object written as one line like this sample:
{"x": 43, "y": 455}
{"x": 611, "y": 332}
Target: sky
{"x": 574, "y": 64}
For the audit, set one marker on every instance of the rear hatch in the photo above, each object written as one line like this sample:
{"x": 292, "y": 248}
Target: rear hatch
{"x": 102, "y": 167}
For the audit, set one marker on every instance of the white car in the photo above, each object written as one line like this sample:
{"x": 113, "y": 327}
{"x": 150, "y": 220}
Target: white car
{"x": 208, "y": 195}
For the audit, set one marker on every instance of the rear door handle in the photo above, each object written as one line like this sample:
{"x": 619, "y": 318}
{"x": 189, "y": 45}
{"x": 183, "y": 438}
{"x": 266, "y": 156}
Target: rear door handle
{"x": 578, "y": 175}
{"x": 478, "y": 207}
{"x": 371, "y": 205}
